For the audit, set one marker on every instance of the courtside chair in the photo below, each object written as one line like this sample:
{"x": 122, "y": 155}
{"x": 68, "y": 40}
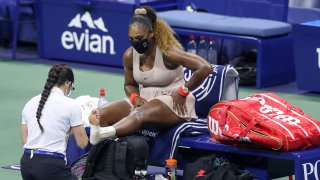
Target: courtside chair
{"x": 12, "y": 16}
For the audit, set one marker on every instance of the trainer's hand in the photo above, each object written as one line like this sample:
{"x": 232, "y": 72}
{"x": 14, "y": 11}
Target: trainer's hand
{"x": 139, "y": 101}
{"x": 179, "y": 103}
{"x": 94, "y": 117}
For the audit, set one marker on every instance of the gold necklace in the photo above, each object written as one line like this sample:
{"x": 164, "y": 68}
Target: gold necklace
{"x": 146, "y": 59}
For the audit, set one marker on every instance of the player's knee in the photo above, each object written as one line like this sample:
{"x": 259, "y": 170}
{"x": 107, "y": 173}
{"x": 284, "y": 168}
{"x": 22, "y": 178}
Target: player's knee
{"x": 140, "y": 115}
{"x": 103, "y": 118}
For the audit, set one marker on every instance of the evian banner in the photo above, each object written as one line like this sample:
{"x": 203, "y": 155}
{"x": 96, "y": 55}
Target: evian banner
{"x": 94, "y": 34}
{"x": 88, "y": 40}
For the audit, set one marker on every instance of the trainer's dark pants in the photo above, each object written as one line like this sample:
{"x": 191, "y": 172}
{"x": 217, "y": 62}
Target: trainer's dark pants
{"x": 45, "y": 167}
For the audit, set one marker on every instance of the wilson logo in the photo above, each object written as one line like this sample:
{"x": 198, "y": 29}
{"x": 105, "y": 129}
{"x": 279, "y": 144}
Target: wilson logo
{"x": 214, "y": 128}
{"x": 88, "y": 40}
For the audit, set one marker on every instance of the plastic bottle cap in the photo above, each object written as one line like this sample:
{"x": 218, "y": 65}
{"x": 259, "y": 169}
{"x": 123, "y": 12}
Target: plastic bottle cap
{"x": 192, "y": 37}
{"x": 102, "y": 92}
{"x": 202, "y": 38}
{"x": 211, "y": 38}
{"x": 171, "y": 162}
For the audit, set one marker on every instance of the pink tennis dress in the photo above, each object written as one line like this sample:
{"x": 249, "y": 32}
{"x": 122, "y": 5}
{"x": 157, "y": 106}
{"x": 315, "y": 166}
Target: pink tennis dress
{"x": 160, "y": 82}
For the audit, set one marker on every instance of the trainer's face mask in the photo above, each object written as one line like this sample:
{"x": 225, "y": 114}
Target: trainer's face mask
{"x": 70, "y": 89}
{"x": 140, "y": 45}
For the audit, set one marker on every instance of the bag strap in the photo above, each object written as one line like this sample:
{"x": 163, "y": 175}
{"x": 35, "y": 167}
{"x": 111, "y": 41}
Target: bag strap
{"x": 108, "y": 166}
{"x": 223, "y": 116}
{"x": 92, "y": 158}
{"x": 223, "y": 120}
{"x": 249, "y": 126}
{"x": 120, "y": 157}
{"x": 222, "y": 123}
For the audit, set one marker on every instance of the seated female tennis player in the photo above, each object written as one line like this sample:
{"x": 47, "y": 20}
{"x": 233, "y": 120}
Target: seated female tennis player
{"x": 158, "y": 95}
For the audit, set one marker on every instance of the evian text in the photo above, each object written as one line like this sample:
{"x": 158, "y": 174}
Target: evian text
{"x": 94, "y": 43}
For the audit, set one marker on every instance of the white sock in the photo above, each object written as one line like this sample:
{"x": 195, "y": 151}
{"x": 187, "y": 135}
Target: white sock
{"x": 107, "y": 132}
{"x": 94, "y": 134}
{"x": 94, "y": 139}
{"x": 94, "y": 129}
{"x": 100, "y": 133}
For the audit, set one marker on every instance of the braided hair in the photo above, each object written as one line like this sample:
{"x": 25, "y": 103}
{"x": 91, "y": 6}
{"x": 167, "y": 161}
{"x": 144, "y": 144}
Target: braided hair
{"x": 165, "y": 38}
{"x": 58, "y": 75}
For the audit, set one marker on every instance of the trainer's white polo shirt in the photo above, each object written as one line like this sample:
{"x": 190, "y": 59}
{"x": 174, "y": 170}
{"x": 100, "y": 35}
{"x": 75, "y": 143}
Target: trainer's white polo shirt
{"x": 59, "y": 114}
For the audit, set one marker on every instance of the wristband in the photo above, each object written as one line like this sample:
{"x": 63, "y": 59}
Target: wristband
{"x": 180, "y": 91}
{"x": 132, "y": 96}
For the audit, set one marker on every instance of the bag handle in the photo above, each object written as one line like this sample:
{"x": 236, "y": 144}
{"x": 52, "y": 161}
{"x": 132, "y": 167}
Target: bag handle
{"x": 222, "y": 123}
{"x": 249, "y": 126}
{"x": 223, "y": 116}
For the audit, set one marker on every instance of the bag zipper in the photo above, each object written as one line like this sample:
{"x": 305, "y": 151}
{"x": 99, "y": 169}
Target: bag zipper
{"x": 251, "y": 130}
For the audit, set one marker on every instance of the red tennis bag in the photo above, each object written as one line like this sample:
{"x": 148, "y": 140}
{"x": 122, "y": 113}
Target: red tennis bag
{"x": 263, "y": 120}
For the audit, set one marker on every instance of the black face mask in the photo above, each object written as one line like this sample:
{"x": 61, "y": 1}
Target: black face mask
{"x": 141, "y": 46}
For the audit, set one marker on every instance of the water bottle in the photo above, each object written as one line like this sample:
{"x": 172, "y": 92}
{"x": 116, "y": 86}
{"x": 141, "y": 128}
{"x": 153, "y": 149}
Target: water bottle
{"x": 102, "y": 99}
{"x": 192, "y": 45}
{"x": 95, "y": 129}
{"x": 212, "y": 51}
{"x": 171, "y": 169}
{"x": 203, "y": 48}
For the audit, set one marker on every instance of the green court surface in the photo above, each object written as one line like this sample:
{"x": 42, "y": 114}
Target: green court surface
{"x": 20, "y": 81}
